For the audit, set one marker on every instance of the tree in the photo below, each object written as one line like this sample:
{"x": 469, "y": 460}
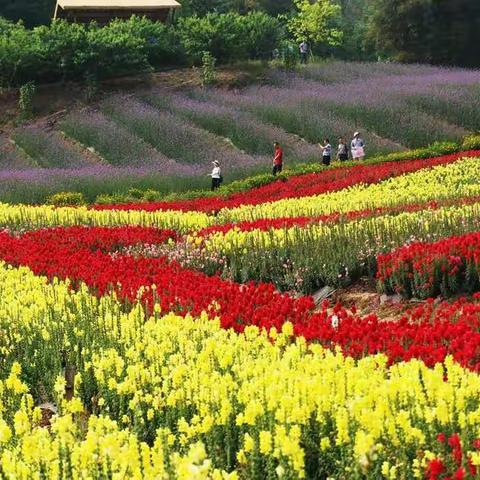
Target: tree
{"x": 31, "y": 12}
{"x": 316, "y": 22}
{"x": 434, "y": 31}
{"x": 354, "y": 24}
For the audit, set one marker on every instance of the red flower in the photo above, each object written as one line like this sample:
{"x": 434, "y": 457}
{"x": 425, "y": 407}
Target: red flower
{"x": 441, "y": 437}
{"x": 434, "y": 469}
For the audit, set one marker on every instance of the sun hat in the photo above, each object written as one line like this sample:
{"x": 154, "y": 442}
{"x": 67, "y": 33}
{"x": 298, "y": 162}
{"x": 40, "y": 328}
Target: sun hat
{"x": 215, "y": 162}
{"x": 356, "y": 133}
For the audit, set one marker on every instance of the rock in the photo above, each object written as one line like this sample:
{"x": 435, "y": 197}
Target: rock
{"x": 323, "y": 294}
{"x": 49, "y": 406}
{"x": 390, "y": 299}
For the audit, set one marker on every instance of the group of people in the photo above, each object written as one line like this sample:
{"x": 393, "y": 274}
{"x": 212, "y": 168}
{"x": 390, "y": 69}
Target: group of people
{"x": 356, "y": 148}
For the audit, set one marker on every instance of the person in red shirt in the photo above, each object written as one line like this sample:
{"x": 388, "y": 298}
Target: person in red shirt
{"x": 277, "y": 159}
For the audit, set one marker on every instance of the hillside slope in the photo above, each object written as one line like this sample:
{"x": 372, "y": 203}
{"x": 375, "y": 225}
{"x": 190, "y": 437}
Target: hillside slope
{"x": 155, "y": 136}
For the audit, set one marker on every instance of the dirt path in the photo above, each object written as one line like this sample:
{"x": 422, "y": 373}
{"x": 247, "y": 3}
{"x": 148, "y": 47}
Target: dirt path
{"x": 365, "y": 298}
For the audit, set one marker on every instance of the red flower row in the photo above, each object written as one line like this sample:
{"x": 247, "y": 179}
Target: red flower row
{"x": 299, "y": 186}
{"x": 82, "y": 254}
{"x": 448, "y": 266}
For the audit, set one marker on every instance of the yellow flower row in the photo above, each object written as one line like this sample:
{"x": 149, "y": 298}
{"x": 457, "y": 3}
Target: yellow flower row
{"x": 369, "y": 234}
{"x": 172, "y": 397}
{"x": 443, "y": 182}
{"x": 23, "y": 216}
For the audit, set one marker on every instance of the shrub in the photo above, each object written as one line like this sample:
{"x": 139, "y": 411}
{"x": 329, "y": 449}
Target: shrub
{"x": 25, "y": 101}
{"x": 66, "y": 199}
{"x": 229, "y": 36}
{"x": 135, "y": 193}
{"x": 289, "y": 56}
{"x": 159, "y": 40}
{"x": 222, "y": 35}
{"x": 151, "y": 195}
{"x": 264, "y": 35}
{"x": 64, "y": 51}
{"x": 472, "y": 142}
{"x": 208, "y": 69}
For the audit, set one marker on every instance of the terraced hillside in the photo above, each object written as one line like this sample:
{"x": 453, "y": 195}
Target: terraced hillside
{"x": 164, "y": 139}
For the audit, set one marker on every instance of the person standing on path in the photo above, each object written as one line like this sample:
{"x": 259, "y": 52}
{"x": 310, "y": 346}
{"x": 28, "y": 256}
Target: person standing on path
{"x": 326, "y": 152}
{"x": 277, "y": 159}
{"x": 216, "y": 175}
{"x": 358, "y": 147}
{"x": 342, "y": 150}
{"x": 304, "y": 52}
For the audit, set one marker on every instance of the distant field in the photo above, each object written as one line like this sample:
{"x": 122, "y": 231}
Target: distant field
{"x": 164, "y": 140}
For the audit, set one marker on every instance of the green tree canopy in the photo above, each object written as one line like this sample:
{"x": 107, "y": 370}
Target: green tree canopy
{"x": 317, "y": 22}
{"x": 435, "y": 31}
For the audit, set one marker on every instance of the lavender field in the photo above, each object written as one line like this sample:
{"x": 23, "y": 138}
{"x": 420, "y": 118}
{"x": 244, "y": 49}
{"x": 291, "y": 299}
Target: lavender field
{"x": 166, "y": 140}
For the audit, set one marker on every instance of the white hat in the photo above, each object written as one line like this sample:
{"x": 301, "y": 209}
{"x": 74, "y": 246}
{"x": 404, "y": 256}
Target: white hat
{"x": 215, "y": 162}
{"x": 356, "y": 133}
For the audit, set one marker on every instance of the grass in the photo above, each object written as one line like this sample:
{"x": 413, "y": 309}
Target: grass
{"x": 48, "y": 149}
{"x": 115, "y": 144}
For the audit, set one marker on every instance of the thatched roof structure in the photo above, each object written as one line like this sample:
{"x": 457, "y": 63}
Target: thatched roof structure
{"x": 102, "y": 11}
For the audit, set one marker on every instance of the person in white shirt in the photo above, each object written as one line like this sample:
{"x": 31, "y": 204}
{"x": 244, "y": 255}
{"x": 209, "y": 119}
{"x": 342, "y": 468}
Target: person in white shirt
{"x": 358, "y": 147}
{"x": 304, "y": 52}
{"x": 216, "y": 175}
{"x": 326, "y": 152}
{"x": 342, "y": 150}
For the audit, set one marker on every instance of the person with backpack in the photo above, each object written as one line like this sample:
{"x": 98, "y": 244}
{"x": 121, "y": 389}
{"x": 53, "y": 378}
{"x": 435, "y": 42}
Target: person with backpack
{"x": 342, "y": 150}
{"x": 358, "y": 147}
{"x": 326, "y": 152}
{"x": 277, "y": 159}
{"x": 216, "y": 175}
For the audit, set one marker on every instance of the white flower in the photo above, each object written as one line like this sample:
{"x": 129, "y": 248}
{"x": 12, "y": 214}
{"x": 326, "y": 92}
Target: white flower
{"x": 335, "y": 321}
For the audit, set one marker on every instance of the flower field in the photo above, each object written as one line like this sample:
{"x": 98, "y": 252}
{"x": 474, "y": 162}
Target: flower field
{"x": 181, "y": 340}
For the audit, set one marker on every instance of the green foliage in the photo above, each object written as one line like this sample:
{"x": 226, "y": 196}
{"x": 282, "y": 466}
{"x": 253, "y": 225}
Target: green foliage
{"x": 316, "y": 22}
{"x": 65, "y": 51}
{"x": 31, "y": 12}
{"x": 440, "y": 32}
{"x": 263, "y": 35}
{"x": 132, "y": 195}
{"x": 25, "y": 101}
{"x": 208, "y": 69}
{"x": 221, "y": 35}
{"x": 151, "y": 195}
{"x": 66, "y": 199}
{"x": 356, "y": 43}
{"x": 472, "y": 142}
{"x": 135, "y": 193}
{"x": 229, "y": 36}
{"x": 289, "y": 56}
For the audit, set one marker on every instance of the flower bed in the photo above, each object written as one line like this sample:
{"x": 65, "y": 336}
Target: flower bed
{"x": 79, "y": 254}
{"x": 423, "y": 270}
{"x": 329, "y": 180}
{"x": 166, "y": 396}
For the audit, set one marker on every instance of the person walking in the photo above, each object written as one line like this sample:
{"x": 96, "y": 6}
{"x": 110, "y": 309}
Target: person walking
{"x": 216, "y": 175}
{"x": 342, "y": 150}
{"x": 277, "y": 159}
{"x": 326, "y": 152}
{"x": 304, "y": 52}
{"x": 358, "y": 147}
